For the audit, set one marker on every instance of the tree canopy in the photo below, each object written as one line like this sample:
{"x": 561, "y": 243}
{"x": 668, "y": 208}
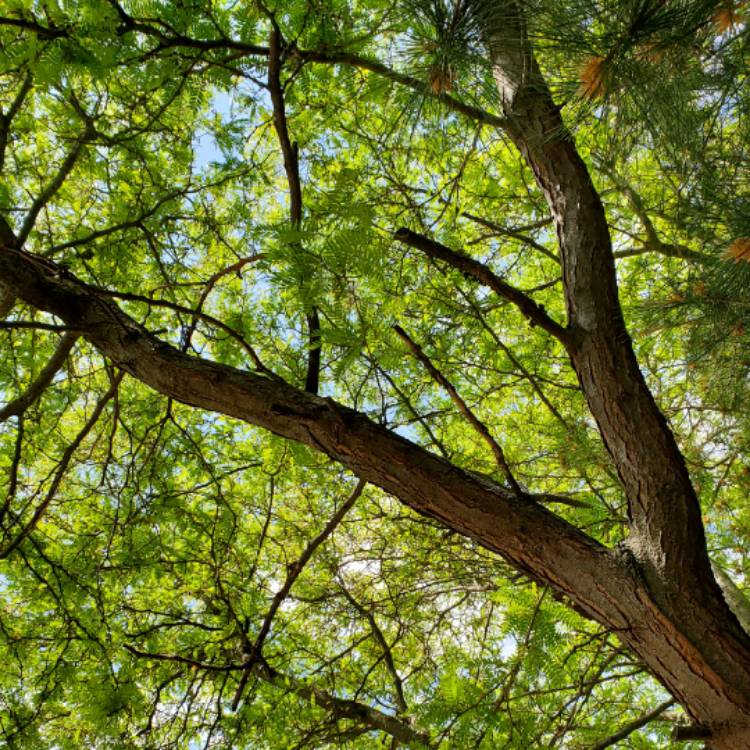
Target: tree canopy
{"x": 374, "y": 374}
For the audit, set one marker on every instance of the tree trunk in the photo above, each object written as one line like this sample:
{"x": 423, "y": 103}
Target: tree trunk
{"x": 657, "y": 591}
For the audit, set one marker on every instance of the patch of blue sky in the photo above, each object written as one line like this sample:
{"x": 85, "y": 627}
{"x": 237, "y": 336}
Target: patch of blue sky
{"x": 205, "y": 146}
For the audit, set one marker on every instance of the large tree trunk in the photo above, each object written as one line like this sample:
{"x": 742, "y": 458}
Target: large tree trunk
{"x": 657, "y": 592}
{"x": 666, "y": 539}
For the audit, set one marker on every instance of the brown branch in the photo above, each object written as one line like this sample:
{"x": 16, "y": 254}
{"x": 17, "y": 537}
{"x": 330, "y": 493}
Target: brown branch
{"x": 324, "y": 57}
{"x": 6, "y": 118}
{"x": 19, "y": 405}
{"x": 633, "y": 726}
{"x": 293, "y": 572}
{"x": 131, "y": 224}
{"x": 62, "y": 468}
{"x": 235, "y": 267}
{"x": 44, "y": 32}
{"x": 666, "y": 530}
{"x": 55, "y": 183}
{"x": 429, "y": 484}
{"x": 339, "y": 708}
{"x": 290, "y": 152}
{"x": 385, "y": 648}
{"x": 195, "y": 313}
{"x": 666, "y": 249}
{"x": 473, "y": 269}
{"x": 463, "y": 407}
{"x": 415, "y": 84}
{"x": 517, "y": 233}
{"x": 535, "y": 541}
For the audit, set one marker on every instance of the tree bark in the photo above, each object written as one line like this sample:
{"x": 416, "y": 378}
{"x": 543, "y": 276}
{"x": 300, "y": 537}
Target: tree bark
{"x": 605, "y": 585}
{"x": 666, "y": 531}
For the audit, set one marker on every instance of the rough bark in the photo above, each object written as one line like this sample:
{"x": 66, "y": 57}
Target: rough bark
{"x": 603, "y": 584}
{"x": 666, "y": 531}
{"x": 658, "y": 591}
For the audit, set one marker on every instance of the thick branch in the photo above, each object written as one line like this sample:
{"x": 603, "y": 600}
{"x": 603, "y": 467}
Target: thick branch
{"x": 667, "y": 538}
{"x": 601, "y": 585}
{"x": 534, "y": 539}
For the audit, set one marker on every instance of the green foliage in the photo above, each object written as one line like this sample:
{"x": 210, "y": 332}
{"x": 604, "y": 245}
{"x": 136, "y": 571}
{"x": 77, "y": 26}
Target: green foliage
{"x": 127, "y": 609}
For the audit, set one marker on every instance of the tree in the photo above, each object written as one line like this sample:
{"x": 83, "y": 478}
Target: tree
{"x": 323, "y": 423}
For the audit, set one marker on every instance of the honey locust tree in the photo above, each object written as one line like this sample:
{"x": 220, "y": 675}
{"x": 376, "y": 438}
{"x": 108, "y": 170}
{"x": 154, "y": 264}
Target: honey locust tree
{"x": 374, "y": 374}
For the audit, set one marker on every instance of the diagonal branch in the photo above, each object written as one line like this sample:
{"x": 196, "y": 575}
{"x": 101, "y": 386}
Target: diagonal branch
{"x": 55, "y": 183}
{"x": 473, "y": 269}
{"x": 339, "y": 708}
{"x": 62, "y": 468}
{"x": 536, "y": 540}
{"x": 379, "y": 636}
{"x": 173, "y": 40}
{"x": 6, "y": 118}
{"x": 293, "y": 572}
{"x": 532, "y": 539}
{"x": 474, "y": 421}
{"x": 19, "y": 405}
{"x": 516, "y": 233}
{"x": 633, "y": 726}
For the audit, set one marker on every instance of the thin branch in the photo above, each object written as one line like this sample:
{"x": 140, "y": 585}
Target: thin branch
{"x": 663, "y": 248}
{"x": 19, "y": 405}
{"x": 325, "y": 57}
{"x": 132, "y": 297}
{"x": 340, "y": 708}
{"x": 211, "y": 283}
{"x": 6, "y": 118}
{"x": 290, "y": 152}
{"x": 416, "y": 84}
{"x": 633, "y": 726}
{"x": 54, "y": 185}
{"x": 62, "y": 468}
{"x": 473, "y": 269}
{"x": 517, "y": 233}
{"x": 462, "y": 406}
{"x": 293, "y": 573}
{"x": 131, "y": 224}
{"x": 385, "y": 648}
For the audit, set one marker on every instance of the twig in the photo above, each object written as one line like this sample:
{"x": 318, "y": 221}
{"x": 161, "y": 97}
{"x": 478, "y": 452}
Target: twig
{"x": 19, "y": 405}
{"x": 475, "y": 422}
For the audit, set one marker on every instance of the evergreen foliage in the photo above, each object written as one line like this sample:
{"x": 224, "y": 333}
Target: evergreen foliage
{"x": 145, "y": 543}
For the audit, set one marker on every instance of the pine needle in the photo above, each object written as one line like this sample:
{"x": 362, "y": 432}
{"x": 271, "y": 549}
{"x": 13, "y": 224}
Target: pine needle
{"x": 593, "y": 78}
{"x": 739, "y": 250}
